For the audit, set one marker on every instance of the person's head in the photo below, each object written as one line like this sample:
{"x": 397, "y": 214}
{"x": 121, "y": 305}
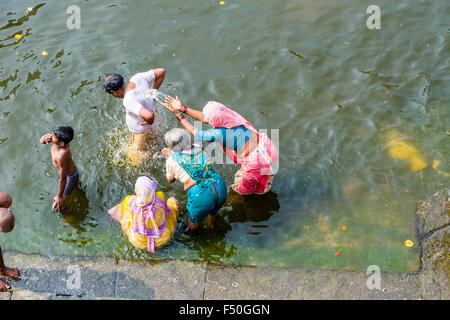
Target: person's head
{"x": 7, "y": 220}
{"x": 5, "y": 200}
{"x": 178, "y": 139}
{"x": 62, "y": 135}
{"x": 145, "y": 189}
{"x": 113, "y": 84}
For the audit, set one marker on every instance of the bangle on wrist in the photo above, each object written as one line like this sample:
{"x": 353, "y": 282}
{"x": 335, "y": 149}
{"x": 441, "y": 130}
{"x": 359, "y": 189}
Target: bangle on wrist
{"x": 180, "y": 117}
{"x": 184, "y": 109}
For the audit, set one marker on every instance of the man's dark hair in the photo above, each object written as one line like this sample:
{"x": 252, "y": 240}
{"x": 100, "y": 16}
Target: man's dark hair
{"x": 112, "y": 81}
{"x": 64, "y": 133}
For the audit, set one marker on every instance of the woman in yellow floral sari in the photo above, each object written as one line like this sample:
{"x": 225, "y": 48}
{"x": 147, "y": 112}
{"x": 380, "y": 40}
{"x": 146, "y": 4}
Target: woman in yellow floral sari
{"x": 147, "y": 219}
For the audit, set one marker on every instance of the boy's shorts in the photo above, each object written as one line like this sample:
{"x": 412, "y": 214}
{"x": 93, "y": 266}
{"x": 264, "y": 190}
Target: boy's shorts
{"x": 72, "y": 182}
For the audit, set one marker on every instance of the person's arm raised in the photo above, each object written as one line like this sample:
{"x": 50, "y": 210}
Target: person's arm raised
{"x": 176, "y": 104}
{"x": 173, "y": 106}
{"x": 159, "y": 77}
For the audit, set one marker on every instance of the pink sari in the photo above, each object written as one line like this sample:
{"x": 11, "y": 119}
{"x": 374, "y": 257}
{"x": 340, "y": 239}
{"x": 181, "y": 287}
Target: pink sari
{"x": 256, "y": 173}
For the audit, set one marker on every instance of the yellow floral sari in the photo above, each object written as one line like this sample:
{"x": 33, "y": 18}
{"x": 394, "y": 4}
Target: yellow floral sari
{"x": 148, "y": 219}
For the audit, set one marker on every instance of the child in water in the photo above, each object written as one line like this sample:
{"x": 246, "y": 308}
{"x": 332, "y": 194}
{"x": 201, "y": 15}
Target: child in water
{"x": 6, "y": 225}
{"x": 62, "y": 160}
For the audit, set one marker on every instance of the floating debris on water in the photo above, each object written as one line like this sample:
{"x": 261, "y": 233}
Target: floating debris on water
{"x": 18, "y": 36}
{"x": 264, "y": 114}
{"x": 409, "y": 243}
{"x": 296, "y": 54}
{"x": 370, "y": 72}
{"x": 44, "y": 53}
{"x": 389, "y": 86}
{"x": 222, "y": 3}
{"x": 253, "y": 232}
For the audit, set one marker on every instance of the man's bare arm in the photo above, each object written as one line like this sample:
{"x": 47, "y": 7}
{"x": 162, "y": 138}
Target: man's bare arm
{"x": 159, "y": 77}
{"x": 147, "y": 115}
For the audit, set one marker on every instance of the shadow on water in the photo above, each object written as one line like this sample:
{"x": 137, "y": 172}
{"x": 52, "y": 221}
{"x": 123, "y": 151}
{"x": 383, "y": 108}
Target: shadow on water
{"x": 251, "y": 208}
{"x": 209, "y": 242}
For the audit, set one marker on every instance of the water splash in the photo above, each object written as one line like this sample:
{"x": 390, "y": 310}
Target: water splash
{"x": 156, "y": 95}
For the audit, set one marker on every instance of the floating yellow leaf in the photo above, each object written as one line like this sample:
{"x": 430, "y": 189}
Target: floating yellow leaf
{"x": 409, "y": 243}
{"x": 44, "y": 53}
{"x": 18, "y": 36}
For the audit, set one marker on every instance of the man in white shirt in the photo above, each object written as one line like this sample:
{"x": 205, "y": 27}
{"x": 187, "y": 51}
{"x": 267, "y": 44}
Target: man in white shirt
{"x": 141, "y": 114}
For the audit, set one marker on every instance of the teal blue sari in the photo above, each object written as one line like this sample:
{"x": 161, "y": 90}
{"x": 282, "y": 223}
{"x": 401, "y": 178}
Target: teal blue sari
{"x": 209, "y": 193}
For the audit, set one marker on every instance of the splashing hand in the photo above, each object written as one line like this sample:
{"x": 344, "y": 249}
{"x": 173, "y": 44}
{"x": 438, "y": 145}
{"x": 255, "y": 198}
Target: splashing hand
{"x": 173, "y": 105}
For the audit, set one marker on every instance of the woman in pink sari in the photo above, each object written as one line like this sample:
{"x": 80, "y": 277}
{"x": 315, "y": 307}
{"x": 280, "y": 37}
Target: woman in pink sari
{"x": 252, "y": 150}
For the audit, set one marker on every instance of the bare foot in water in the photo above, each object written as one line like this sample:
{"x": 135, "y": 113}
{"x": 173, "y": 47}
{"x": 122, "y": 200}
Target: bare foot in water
{"x": 11, "y": 272}
{"x": 4, "y": 286}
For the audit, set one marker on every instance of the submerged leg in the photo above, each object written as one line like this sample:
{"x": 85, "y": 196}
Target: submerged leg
{"x": 140, "y": 147}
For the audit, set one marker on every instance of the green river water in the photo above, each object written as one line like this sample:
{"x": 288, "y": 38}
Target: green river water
{"x": 310, "y": 69}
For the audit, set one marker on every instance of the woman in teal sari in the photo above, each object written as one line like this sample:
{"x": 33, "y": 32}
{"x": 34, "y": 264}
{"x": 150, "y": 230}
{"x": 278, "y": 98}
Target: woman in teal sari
{"x": 190, "y": 165}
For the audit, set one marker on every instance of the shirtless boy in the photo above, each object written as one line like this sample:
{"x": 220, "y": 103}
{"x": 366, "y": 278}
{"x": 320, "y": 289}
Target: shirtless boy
{"x": 62, "y": 160}
{"x": 6, "y": 225}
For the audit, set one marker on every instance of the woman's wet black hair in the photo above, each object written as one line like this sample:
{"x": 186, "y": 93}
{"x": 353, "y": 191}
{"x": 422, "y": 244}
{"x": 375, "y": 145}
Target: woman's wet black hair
{"x": 112, "y": 82}
{"x": 64, "y": 133}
